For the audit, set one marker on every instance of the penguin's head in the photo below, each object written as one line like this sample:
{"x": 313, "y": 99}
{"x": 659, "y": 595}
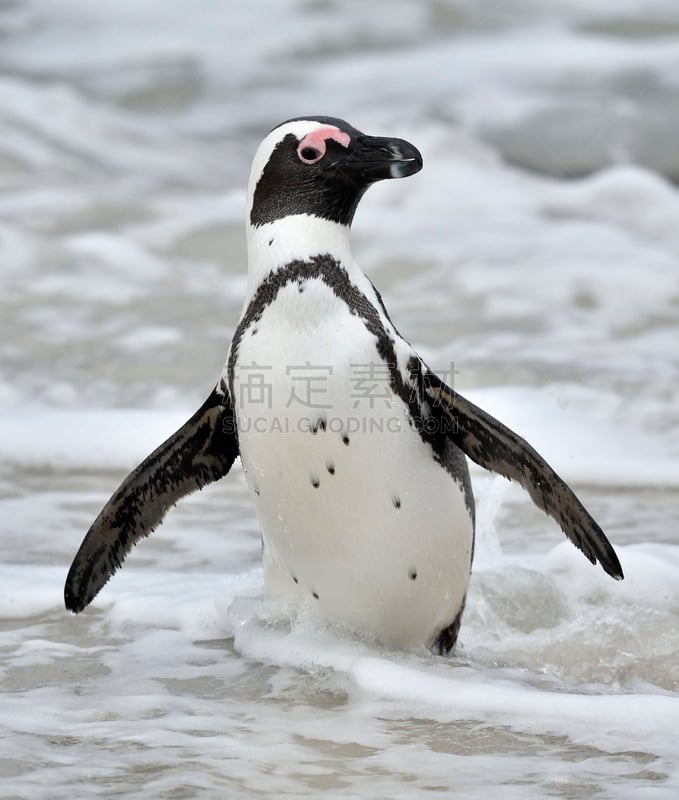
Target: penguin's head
{"x": 321, "y": 166}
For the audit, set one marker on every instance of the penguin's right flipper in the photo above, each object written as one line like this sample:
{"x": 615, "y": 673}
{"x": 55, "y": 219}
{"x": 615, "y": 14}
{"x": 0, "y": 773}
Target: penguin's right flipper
{"x": 497, "y": 448}
{"x": 200, "y": 452}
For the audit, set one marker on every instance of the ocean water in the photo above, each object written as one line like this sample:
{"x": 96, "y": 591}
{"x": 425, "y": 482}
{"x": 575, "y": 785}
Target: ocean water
{"x": 537, "y": 255}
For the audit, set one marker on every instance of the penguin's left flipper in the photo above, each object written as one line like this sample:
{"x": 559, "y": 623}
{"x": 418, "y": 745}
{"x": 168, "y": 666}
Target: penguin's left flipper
{"x": 495, "y": 447}
{"x": 200, "y": 452}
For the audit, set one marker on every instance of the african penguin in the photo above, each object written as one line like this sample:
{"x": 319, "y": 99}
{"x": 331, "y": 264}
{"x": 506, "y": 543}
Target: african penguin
{"x": 352, "y": 448}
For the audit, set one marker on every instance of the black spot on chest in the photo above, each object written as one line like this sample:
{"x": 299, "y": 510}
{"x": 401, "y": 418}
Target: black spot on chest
{"x": 319, "y": 425}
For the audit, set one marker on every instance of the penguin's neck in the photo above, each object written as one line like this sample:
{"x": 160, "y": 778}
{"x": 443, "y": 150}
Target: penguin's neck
{"x": 296, "y": 237}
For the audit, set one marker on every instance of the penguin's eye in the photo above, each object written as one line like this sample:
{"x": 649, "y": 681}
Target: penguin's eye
{"x": 310, "y": 154}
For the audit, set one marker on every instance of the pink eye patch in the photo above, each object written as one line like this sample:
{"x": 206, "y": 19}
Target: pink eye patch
{"x": 313, "y": 146}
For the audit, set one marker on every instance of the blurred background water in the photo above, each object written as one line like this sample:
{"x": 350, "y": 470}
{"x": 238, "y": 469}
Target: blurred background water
{"x": 537, "y": 252}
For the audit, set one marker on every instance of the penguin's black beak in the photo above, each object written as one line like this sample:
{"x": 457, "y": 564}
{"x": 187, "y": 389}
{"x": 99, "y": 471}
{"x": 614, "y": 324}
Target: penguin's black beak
{"x": 374, "y": 158}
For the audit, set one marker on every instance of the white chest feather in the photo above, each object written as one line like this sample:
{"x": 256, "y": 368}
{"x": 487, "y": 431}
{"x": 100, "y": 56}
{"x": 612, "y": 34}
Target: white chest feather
{"x": 356, "y": 513}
